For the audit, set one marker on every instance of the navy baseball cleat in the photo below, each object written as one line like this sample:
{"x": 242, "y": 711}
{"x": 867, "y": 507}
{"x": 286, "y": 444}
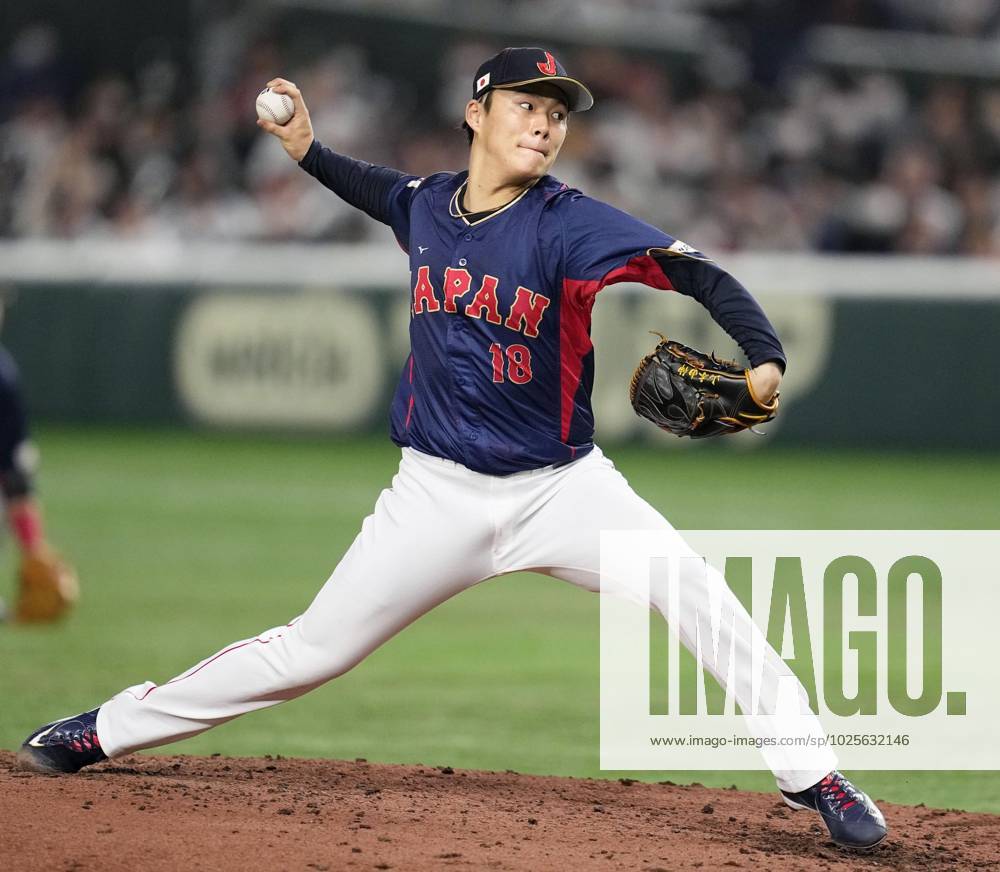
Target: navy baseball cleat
{"x": 66, "y": 745}
{"x": 853, "y": 820}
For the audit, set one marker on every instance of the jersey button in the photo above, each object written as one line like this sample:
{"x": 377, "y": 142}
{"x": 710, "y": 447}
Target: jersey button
{"x": 462, "y": 262}
{"x": 468, "y": 237}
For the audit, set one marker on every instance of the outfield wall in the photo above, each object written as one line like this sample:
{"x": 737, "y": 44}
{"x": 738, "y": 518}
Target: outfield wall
{"x": 882, "y": 351}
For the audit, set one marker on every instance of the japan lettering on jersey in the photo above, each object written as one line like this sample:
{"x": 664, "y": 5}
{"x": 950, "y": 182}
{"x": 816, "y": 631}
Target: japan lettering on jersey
{"x": 501, "y": 367}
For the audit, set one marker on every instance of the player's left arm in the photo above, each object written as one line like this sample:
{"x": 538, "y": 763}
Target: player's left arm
{"x": 603, "y": 245}
{"x": 732, "y": 307}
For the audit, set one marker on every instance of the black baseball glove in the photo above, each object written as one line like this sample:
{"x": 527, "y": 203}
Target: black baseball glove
{"x": 692, "y": 394}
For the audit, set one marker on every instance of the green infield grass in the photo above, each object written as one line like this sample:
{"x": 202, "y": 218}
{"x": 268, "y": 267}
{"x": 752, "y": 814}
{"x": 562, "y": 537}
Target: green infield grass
{"x": 185, "y": 542}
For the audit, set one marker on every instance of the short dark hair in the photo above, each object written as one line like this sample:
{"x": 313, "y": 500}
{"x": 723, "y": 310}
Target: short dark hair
{"x": 486, "y": 108}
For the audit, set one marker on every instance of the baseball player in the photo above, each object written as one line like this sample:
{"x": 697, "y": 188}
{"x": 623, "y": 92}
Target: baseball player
{"x": 47, "y": 585}
{"x": 499, "y": 471}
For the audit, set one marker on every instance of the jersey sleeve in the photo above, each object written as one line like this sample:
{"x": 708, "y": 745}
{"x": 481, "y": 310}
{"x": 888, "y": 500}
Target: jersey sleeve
{"x": 603, "y": 245}
{"x": 380, "y": 192}
{"x": 398, "y": 202}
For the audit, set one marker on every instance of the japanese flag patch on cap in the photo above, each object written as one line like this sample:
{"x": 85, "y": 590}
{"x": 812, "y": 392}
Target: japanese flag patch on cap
{"x": 515, "y": 67}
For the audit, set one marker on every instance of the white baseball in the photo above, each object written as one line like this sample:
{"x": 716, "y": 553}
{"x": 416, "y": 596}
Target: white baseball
{"x": 272, "y": 106}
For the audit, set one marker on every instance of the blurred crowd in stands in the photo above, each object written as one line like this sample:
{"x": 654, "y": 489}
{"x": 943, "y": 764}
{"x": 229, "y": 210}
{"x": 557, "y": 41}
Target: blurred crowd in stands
{"x": 802, "y": 158}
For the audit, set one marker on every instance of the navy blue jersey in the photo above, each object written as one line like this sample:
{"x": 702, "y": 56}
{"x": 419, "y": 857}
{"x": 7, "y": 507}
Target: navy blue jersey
{"x": 501, "y": 367}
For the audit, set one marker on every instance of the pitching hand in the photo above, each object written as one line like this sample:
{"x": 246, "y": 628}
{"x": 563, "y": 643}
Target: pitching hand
{"x": 297, "y": 135}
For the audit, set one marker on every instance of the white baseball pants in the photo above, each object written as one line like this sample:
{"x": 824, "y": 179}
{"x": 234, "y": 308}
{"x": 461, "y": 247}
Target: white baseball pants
{"x": 438, "y": 530}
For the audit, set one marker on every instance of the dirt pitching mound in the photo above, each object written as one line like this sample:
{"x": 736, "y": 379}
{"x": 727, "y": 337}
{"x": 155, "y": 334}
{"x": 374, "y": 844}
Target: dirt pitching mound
{"x": 219, "y": 813}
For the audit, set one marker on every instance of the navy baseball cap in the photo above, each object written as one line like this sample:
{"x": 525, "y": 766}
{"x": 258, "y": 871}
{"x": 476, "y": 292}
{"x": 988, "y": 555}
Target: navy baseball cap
{"x": 528, "y": 66}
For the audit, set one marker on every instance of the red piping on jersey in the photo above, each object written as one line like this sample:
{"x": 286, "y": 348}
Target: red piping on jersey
{"x": 574, "y": 345}
{"x": 409, "y": 408}
{"x": 213, "y": 659}
{"x": 642, "y": 268}
{"x": 578, "y": 296}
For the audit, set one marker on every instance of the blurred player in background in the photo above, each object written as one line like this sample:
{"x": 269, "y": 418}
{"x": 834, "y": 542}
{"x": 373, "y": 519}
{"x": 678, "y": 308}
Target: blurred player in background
{"x": 47, "y": 585}
{"x": 499, "y": 471}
